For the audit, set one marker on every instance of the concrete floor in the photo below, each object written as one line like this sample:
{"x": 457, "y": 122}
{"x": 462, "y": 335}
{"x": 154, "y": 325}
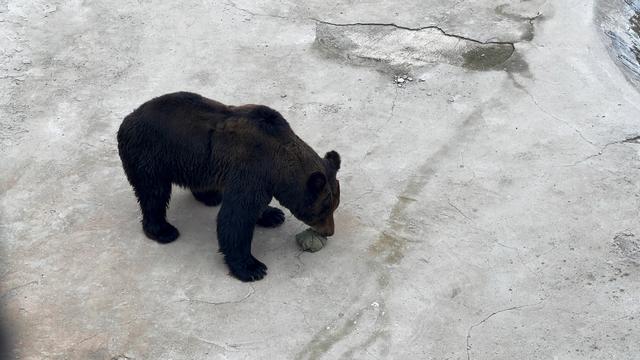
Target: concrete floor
{"x": 490, "y": 207}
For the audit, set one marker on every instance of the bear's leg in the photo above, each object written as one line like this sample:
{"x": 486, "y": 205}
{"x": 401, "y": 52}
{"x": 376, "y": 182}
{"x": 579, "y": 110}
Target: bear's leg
{"x": 236, "y": 222}
{"x": 271, "y": 217}
{"x": 154, "y": 199}
{"x": 209, "y": 198}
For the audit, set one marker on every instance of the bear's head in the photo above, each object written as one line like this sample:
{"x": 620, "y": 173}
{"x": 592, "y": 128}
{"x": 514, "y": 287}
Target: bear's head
{"x": 320, "y": 197}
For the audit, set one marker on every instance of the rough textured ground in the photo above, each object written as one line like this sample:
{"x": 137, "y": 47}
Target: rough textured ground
{"x": 490, "y": 208}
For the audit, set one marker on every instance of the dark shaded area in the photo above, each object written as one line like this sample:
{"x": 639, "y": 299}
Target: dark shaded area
{"x": 529, "y": 33}
{"x": 5, "y": 352}
{"x": 487, "y": 57}
{"x": 619, "y": 22}
{"x": 635, "y": 27}
{"x": 517, "y": 64}
{"x": 6, "y": 340}
{"x": 635, "y": 23}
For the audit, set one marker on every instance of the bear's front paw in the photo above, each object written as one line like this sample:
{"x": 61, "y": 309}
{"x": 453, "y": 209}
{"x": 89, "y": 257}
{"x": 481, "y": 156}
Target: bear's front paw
{"x": 163, "y": 233}
{"x": 271, "y": 217}
{"x": 250, "y": 269}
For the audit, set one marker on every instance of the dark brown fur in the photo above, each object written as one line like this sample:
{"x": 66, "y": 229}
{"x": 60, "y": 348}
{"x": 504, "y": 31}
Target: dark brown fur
{"x": 242, "y": 156}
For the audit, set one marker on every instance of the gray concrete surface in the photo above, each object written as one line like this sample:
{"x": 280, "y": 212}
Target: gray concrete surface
{"x": 490, "y": 210}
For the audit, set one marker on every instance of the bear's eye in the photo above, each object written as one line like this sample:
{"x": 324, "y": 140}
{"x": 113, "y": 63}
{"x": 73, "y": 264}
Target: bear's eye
{"x": 326, "y": 204}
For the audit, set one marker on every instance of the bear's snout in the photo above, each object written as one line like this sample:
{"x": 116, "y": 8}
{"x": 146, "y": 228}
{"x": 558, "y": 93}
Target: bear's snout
{"x": 326, "y": 227}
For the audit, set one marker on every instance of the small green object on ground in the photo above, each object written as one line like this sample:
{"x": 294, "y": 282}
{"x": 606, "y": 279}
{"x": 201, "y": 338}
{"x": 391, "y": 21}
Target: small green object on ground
{"x": 311, "y": 241}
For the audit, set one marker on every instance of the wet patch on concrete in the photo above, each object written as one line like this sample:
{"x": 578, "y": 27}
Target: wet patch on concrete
{"x": 388, "y": 250}
{"x": 323, "y": 341}
{"x": 517, "y": 64}
{"x": 528, "y": 27}
{"x": 390, "y": 247}
{"x": 331, "y": 339}
{"x": 486, "y": 58}
{"x": 398, "y": 49}
{"x": 392, "y": 48}
{"x": 392, "y": 243}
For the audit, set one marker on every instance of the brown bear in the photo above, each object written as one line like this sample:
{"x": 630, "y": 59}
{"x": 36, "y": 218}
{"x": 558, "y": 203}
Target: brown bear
{"x": 240, "y": 156}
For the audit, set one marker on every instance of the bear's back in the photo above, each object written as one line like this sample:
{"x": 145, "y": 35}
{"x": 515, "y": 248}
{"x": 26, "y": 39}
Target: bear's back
{"x": 190, "y": 114}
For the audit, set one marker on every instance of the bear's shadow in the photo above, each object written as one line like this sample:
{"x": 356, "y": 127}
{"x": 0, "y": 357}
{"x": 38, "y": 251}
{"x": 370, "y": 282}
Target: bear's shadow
{"x": 197, "y": 225}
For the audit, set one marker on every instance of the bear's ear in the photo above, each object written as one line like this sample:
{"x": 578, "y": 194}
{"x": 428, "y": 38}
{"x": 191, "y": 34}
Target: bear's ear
{"x": 334, "y": 159}
{"x": 316, "y": 182}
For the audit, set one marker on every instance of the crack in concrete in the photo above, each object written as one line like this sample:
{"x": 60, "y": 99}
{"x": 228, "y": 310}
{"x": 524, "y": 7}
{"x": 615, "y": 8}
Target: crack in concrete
{"x": 634, "y": 139}
{"x": 13, "y": 289}
{"x": 555, "y": 116}
{"x": 481, "y": 55}
{"x": 458, "y": 210}
{"x": 377, "y": 131}
{"x": 393, "y": 108}
{"x": 500, "y": 10}
{"x": 534, "y": 18}
{"x": 91, "y": 337}
{"x": 301, "y": 265}
{"x": 489, "y": 317}
{"x": 221, "y": 345}
{"x": 252, "y": 290}
{"x": 302, "y": 311}
{"x": 525, "y": 264}
{"x": 247, "y": 11}
{"x": 630, "y": 140}
{"x": 433, "y": 27}
{"x": 86, "y": 339}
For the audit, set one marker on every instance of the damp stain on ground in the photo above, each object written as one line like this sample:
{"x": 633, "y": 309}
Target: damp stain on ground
{"x": 529, "y": 29}
{"x": 390, "y": 246}
{"x": 392, "y": 48}
{"x": 324, "y": 340}
{"x": 487, "y": 57}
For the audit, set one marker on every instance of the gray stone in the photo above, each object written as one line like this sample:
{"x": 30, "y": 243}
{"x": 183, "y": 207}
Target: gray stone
{"x": 310, "y": 241}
